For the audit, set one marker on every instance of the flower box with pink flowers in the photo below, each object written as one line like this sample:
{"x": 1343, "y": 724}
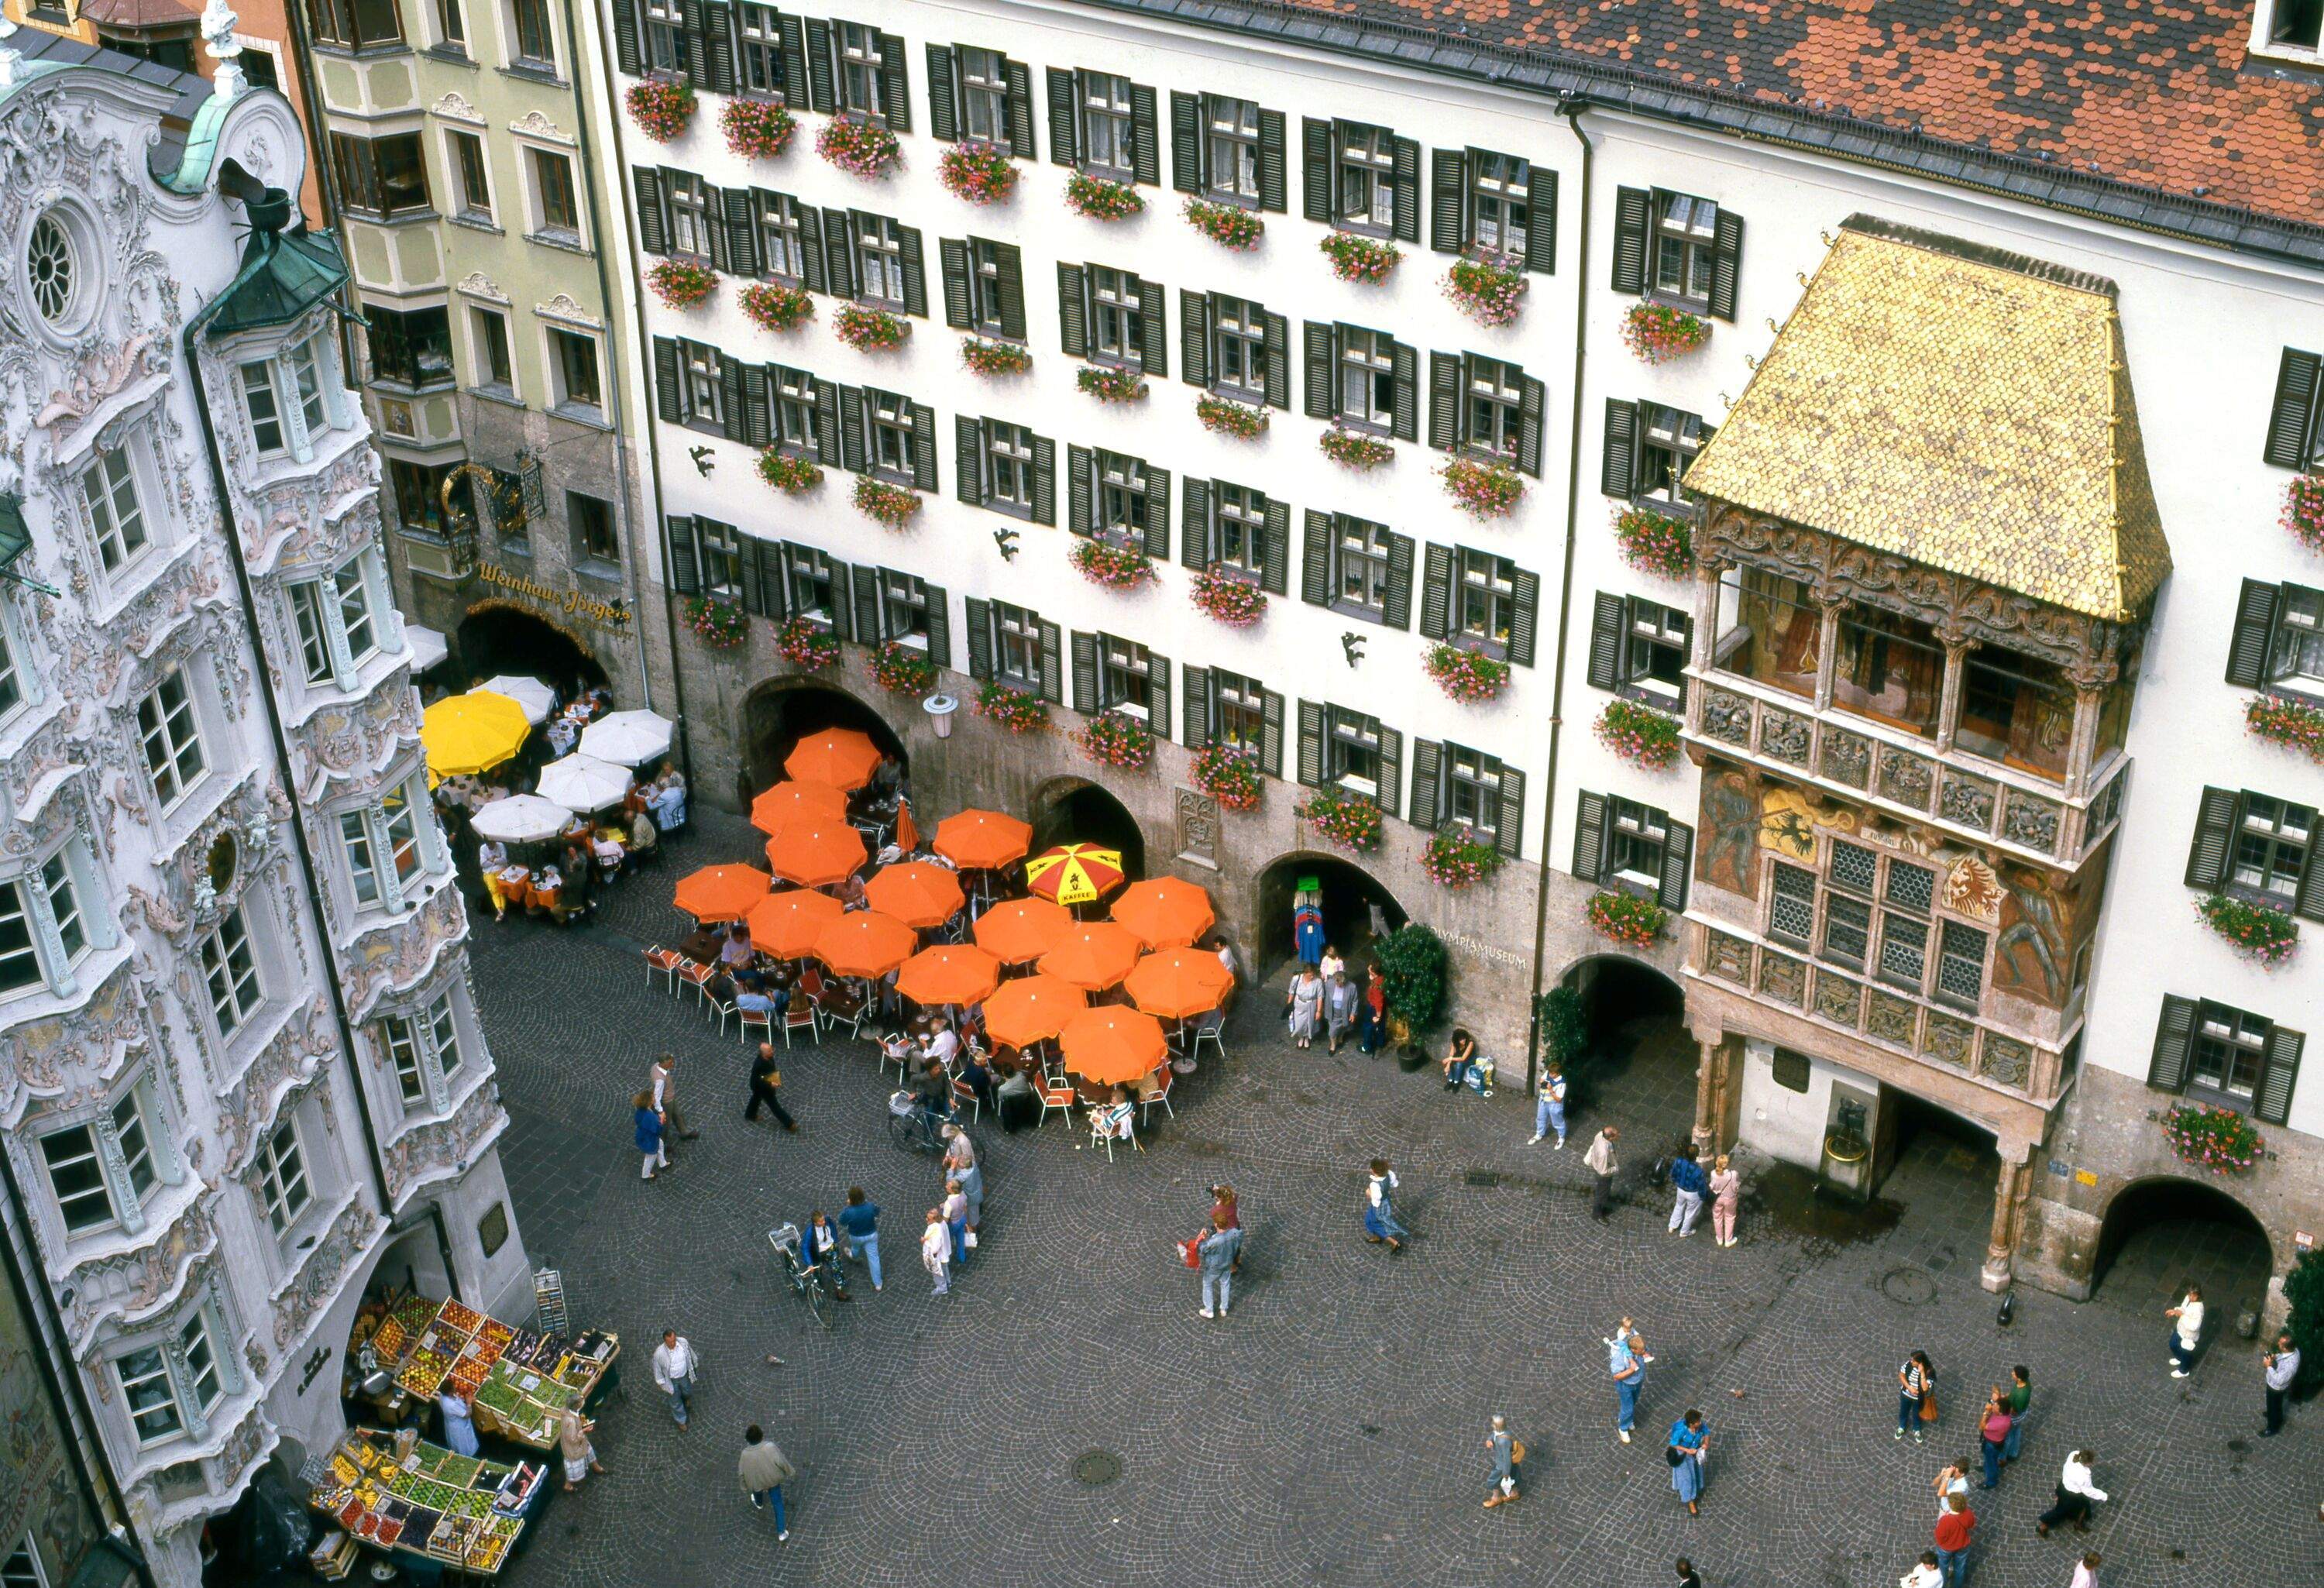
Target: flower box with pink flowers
{"x": 757, "y": 129}
{"x": 1654, "y": 543}
{"x": 1116, "y": 739}
{"x": 1658, "y": 333}
{"x": 806, "y": 643}
{"x": 1639, "y": 734}
{"x": 977, "y": 172}
{"x": 2220, "y": 1140}
{"x": 720, "y": 625}
{"x": 1351, "y": 821}
{"x": 1626, "y": 918}
{"x": 1101, "y": 199}
{"x": 1229, "y": 775}
{"x": 1456, "y": 857}
{"x": 2281, "y": 720}
{"x": 1465, "y": 675}
{"x": 773, "y": 307}
{"x": 1230, "y": 226}
{"x": 1018, "y": 710}
{"x": 681, "y": 284}
{"x": 1489, "y": 287}
{"x": 1353, "y": 448}
{"x": 1117, "y": 567}
{"x": 663, "y": 107}
{"x": 1355, "y": 258}
{"x": 995, "y": 359}
{"x": 1110, "y": 383}
{"x": 2303, "y": 510}
{"x": 883, "y": 503}
{"x": 1222, "y": 418}
{"x": 2265, "y": 937}
{"x": 868, "y": 329}
{"x": 1233, "y": 600}
{"x": 788, "y": 472}
{"x": 859, "y": 146}
{"x": 901, "y": 668}
{"x": 1482, "y": 489}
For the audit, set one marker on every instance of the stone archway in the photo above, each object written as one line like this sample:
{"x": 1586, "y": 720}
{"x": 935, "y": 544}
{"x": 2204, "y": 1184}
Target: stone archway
{"x": 1074, "y": 810}
{"x": 781, "y": 712}
{"x": 2166, "y": 1231}
{"x": 500, "y": 637}
{"x": 1356, "y": 905}
{"x": 1639, "y": 1043}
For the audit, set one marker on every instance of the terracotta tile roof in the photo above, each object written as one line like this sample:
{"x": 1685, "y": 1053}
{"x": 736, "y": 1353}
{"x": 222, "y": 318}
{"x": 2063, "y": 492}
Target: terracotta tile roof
{"x": 2154, "y": 93}
{"x": 1968, "y": 409}
{"x": 136, "y": 15}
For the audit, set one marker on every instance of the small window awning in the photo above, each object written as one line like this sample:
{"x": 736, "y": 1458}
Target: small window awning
{"x": 15, "y": 538}
{"x": 428, "y": 646}
{"x": 1957, "y": 406}
{"x": 283, "y": 275}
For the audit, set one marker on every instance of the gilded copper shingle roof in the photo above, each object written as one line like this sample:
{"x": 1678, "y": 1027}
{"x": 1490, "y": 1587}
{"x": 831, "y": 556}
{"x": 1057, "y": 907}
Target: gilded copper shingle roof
{"x": 2160, "y": 95}
{"x": 1963, "y": 407}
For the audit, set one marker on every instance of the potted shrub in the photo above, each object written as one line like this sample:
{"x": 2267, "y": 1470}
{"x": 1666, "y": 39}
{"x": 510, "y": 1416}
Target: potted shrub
{"x": 681, "y": 284}
{"x": 1228, "y": 775}
{"x": 2303, "y": 510}
{"x": 859, "y": 147}
{"x": 1456, "y": 857}
{"x": 1560, "y": 1021}
{"x": 1349, "y": 820}
{"x": 883, "y": 503}
{"x": 1101, "y": 199}
{"x": 2292, "y": 724}
{"x": 720, "y": 625}
{"x": 806, "y": 644}
{"x": 1230, "y": 226}
{"x": 1639, "y": 734}
{"x": 901, "y": 668}
{"x": 995, "y": 359}
{"x": 1117, "y": 567}
{"x": 1465, "y": 675}
{"x": 1222, "y": 418}
{"x": 977, "y": 172}
{"x": 1235, "y": 602}
{"x": 1112, "y": 738}
{"x": 1014, "y": 709}
{"x": 1360, "y": 259}
{"x": 663, "y": 107}
{"x": 1489, "y": 287}
{"x": 1657, "y": 333}
{"x": 1415, "y": 969}
{"x": 2219, "y": 1140}
{"x": 1654, "y": 543}
{"x": 1626, "y": 918}
{"x": 869, "y": 330}
{"x": 2265, "y": 937}
{"x": 1482, "y": 489}
{"x": 771, "y": 308}
{"x": 757, "y": 129}
{"x": 788, "y": 472}
{"x": 1357, "y": 450}
{"x": 1108, "y": 384}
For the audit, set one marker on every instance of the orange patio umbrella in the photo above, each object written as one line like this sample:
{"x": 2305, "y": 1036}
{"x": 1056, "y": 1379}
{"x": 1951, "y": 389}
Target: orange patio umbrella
{"x": 1021, "y": 930}
{"x": 815, "y": 852}
{"x": 1092, "y": 954}
{"x": 1031, "y": 1008}
{"x": 788, "y": 801}
{"x": 865, "y": 943}
{"x": 786, "y": 924}
{"x": 985, "y": 840}
{"x": 841, "y": 757}
{"x": 1074, "y": 873}
{"x": 953, "y": 973}
{"x": 1164, "y": 911}
{"x": 1110, "y": 1043}
{"x": 917, "y": 893}
{"x": 1178, "y": 983}
{"x": 722, "y": 892}
{"x": 908, "y": 831}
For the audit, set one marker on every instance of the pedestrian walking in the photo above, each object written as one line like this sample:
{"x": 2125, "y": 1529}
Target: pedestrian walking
{"x": 767, "y": 1088}
{"x": 573, "y": 1443}
{"x": 960, "y": 1164}
{"x": 665, "y": 1095}
{"x": 648, "y": 1120}
{"x": 1953, "y": 1479}
{"x": 2186, "y": 1331}
{"x": 2278, "y": 1368}
{"x": 1688, "y": 1446}
{"x": 1508, "y": 1452}
{"x": 861, "y": 1221}
{"x": 935, "y": 1251}
{"x": 1226, "y": 1214}
{"x": 1925, "y": 1573}
{"x": 1955, "y": 1529}
{"x": 956, "y": 1217}
{"x": 1303, "y": 1005}
{"x": 1687, "y": 1576}
{"x": 1601, "y": 1160}
{"x": 1726, "y": 1193}
{"x": 1217, "y": 1253}
{"x": 1993, "y": 1427}
{"x": 1549, "y": 1106}
{"x": 1379, "y": 1212}
{"x": 1342, "y": 1000}
{"x": 2021, "y": 1401}
{"x": 1372, "y": 1020}
{"x": 1688, "y": 1184}
{"x": 819, "y": 1248}
{"x": 459, "y": 1426}
{"x": 1916, "y": 1399}
{"x": 2086, "y": 1571}
{"x": 2076, "y": 1494}
{"x": 1626, "y": 1363}
{"x": 763, "y": 1469}
{"x": 675, "y": 1369}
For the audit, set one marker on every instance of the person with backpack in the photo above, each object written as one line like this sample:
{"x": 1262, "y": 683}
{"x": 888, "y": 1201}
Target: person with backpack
{"x": 1916, "y": 1402}
{"x": 1507, "y": 1453}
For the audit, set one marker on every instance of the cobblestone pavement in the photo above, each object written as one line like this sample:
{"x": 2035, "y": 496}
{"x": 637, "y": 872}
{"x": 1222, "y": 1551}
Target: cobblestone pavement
{"x": 1331, "y": 1430}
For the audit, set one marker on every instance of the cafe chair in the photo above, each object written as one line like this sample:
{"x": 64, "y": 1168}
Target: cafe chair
{"x": 799, "y": 1014}
{"x": 1210, "y": 1028}
{"x": 1156, "y": 1090}
{"x": 1056, "y": 1094}
{"x": 763, "y": 1021}
{"x": 840, "y": 1008}
{"x": 723, "y": 1007}
{"x": 696, "y": 975}
{"x": 961, "y": 1092}
{"x": 1098, "y": 1132}
{"x": 663, "y": 963}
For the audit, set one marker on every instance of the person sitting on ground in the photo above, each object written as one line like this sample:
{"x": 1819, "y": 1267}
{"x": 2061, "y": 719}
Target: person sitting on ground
{"x": 1459, "y": 1058}
{"x": 1119, "y": 1118}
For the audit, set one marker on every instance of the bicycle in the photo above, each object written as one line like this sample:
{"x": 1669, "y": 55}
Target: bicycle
{"x": 912, "y": 1128}
{"x": 805, "y": 1277}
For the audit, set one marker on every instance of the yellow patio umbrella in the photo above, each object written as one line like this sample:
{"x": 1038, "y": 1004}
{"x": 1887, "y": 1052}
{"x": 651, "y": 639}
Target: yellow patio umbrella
{"x": 471, "y": 733}
{"x": 1074, "y": 873}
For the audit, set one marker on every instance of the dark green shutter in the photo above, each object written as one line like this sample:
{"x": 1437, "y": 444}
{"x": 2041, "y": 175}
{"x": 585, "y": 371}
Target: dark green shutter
{"x": 1270, "y": 732}
{"x": 653, "y": 230}
{"x": 851, "y": 452}
{"x": 1085, "y": 700}
{"x": 869, "y": 627}
{"x": 1508, "y": 824}
{"x": 670, "y": 395}
{"x": 1448, "y": 205}
{"x": 1618, "y": 463}
{"x": 1316, "y": 560}
{"x": 2309, "y": 898}
{"x": 1145, "y": 145}
{"x": 1391, "y": 770}
{"x": 939, "y": 624}
{"x": 1073, "y": 309}
{"x": 1079, "y": 489}
{"x": 1157, "y": 694}
{"x": 1320, "y": 386}
{"x": 1158, "y": 514}
{"x": 1052, "y": 663}
{"x": 1403, "y": 402}
{"x": 843, "y": 611}
{"x": 1194, "y": 523}
{"x": 1316, "y": 167}
{"x": 749, "y": 586}
{"x": 772, "y": 592}
{"x": 952, "y": 261}
{"x": 694, "y": 66}
{"x": 732, "y": 418}
{"x": 818, "y": 267}
{"x": 718, "y": 46}
{"x": 1045, "y": 480}
{"x": 822, "y": 94}
{"x": 980, "y": 638}
{"x": 1065, "y": 116}
{"x": 1406, "y": 208}
{"x": 626, "y": 54}
{"x": 2215, "y": 837}
{"x": 829, "y": 433}
{"x": 943, "y": 89}
{"x": 1311, "y": 743}
{"x": 1608, "y": 619}
{"x": 1271, "y": 194}
{"x": 924, "y": 446}
{"x": 2254, "y": 628}
{"x": 1396, "y": 610}
{"x": 758, "y": 406}
{"x": 1186, "y": 141}
{"x": 2174, "y": 1038}
{"x": 2291, "y": 415}
{"x": 839, "y": 251}
{"x": 1435, "y": 592}
{"x": 896, "y": 84}
{"x": 1540, "y": 220}
{"x": 1726, "y": 265}
{"x": 2280, "y": 1072}
{"x": 1275, "y": 332}
{"x": 1678, "y": 865}
{"x": 1444, "y": 400}
{"x": 742, "y": 230}
{"x": 1275, "y": 553}
{"x": 1427, "y": 778}
{"x": 1533, "y": 403}
{"x": 1195, "y": 713}
{"x": 1011, "y": 282}
{"x": 1020, "y": 78}
{"x": 1631, "y": 208}
{"x": 1588, "y": 836}
{"x": 791, "y": 31}
{"x": 1194, "y": 337}
{"x": 1155, "y": 355}
{"x": 915, "y": 271}
{"x": 682, "y": 556}
{"x": 968, "y": 459}
{"x": 1525, "y": 620}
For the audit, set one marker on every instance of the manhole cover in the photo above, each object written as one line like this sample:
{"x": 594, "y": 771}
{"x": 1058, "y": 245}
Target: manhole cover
{"x": 1096, "y": 1468}
{"x": 1912, "y": 1287}
{"x": 1485, "y": 1179}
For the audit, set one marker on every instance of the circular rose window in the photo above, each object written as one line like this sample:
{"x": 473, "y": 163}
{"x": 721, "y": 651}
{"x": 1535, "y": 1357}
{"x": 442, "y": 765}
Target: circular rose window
{"x": 50, "y": 270}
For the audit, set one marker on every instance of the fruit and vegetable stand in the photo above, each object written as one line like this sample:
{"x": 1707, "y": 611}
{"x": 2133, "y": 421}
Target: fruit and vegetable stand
{"x": 518, "y": 1382}
{"x": 398, "y": 1491}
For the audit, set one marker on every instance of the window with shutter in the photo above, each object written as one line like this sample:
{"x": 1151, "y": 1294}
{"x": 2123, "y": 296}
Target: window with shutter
{"x": 2279, "y": 638}
{"x": 1588, "y": 836}
{"x": 924, "y": 446}
{"x": 1228, "y": 134}
{"x": 2227, "y": 1053}
{"x": 1186, "y": 142}
{"x": 1239, "y": 359}
{"x": 2279, "y": 1075}
{"x": 1194, "y": 707}
{"x": 1064, "y": 101}
{"x": 1633, "y": 206}
{"x": 2174, "y": 1032}
{"x": 980, "y": 638}
{"x": 1085, "y": 694}
{"x": 1008, "y": 457}
{"x": 1617, "y": 469}
{"x": 2295, "y": 420}
{"x": 1311, "y": 743}
{"x": 681, "y": 557}
{"x": 1045, "y": 480}
{"x": 1448, "y": 202}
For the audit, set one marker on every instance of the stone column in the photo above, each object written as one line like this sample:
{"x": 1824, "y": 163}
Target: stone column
{"x": 1713, "y": 1076}
{"x": 1957, "y": 649}
{"x": 2009, "y": 1190}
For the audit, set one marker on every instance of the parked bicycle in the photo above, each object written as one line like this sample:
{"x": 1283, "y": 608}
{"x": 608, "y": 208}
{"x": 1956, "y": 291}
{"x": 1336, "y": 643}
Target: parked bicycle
{"x": 805, "y": 1277}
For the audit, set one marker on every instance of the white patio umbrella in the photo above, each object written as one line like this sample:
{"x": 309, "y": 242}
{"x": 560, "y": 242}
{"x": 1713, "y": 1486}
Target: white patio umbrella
{"x": 584, "y": 782}
{"x": 628, "y": 738}
{"x": 428, "y": 646}
{"x": 521, "y": 818}
{"x": 537, "y": 698}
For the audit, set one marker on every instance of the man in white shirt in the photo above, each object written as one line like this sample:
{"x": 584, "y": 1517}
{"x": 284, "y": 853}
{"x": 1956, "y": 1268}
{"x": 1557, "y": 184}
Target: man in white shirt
{"x": 664, "y": 1081}
{"x": 2076, "y": 1494}
{"x": 674, "y": 1367}
{"x": 2186, "y": 1332}
{"x": 1924, "y": 1574}
{"x": 2282, "y": 1367}
{"x": 936, "y": 1250}
{"x": 942, "y": 1045}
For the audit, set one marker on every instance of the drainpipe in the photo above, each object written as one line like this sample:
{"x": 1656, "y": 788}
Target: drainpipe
{"x": 294, "y": 21}
{"x": 614, "y": 393}
{"x": 615, "y": 178}
{"x": 1571, "y": 109}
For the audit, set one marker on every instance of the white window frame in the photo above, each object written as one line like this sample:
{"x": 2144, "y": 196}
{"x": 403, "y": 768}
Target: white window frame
{"x": 1106, "y": 121}
{"x": 69, "y": 869}
{"x": 194, "y": 1350}
{"x": 20, "y": 685}
{"x": 536, "y": 204}
{"x": 122, "y": 1149}
{"x": 561, "y": 394}
{"x": 113, "y": 473}
{"x": 414, "y": 1044}
{"x": 170, "y": 736}
{"x": 236, "y": 988}
{"x": 983, "y": 94}
{"x": 319, "y": 612}
{"x": 286, "y": 1185}
{"x": 302, "y": 415}
{"x": 371, "y": 829}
